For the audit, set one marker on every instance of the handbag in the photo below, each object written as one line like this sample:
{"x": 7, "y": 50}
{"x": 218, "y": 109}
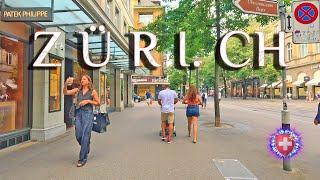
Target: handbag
{"x": 100, "y": 122}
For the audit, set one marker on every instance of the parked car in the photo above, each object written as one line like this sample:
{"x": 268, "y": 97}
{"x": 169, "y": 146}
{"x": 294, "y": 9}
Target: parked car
{"x": 136, "y": 98}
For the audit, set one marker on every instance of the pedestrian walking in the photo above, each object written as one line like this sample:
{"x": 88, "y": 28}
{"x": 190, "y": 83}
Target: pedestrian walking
{"x": 167, "y": 99}
{"x": 148, "y": 97}
{"x": 310, "y": 99}
{"x": 86, "y": 98}
{"x": 317, "y": 118}
{"x": 204, "y": 98}
{"x": 193, "y": 100}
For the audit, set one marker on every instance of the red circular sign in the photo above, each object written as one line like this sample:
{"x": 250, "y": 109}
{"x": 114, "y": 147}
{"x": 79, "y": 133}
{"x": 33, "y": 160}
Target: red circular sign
{"x": 306, "y": 13}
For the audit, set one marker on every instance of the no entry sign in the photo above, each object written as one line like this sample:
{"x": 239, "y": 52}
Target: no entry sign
{"x": 306, "y": 13}
{"x": 306, "y": 24}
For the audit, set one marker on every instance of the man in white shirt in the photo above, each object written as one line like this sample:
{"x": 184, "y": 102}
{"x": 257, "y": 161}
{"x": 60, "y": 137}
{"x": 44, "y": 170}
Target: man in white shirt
{"x": 167, "y": 99}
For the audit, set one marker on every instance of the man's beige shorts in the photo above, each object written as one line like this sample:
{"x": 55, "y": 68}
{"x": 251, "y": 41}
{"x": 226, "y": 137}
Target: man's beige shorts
{"x": 167, "y": 116}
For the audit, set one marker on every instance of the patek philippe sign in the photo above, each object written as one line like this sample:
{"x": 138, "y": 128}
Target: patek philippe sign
{"x": 10, "y": 14}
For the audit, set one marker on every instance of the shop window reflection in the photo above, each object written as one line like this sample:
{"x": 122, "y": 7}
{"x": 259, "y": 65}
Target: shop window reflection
{"x": 11, "y": 82}
{"x": 54, "y": 86}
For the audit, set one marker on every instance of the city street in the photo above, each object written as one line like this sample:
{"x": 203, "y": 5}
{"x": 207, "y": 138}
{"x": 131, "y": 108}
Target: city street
{"x": 132, "y": 149}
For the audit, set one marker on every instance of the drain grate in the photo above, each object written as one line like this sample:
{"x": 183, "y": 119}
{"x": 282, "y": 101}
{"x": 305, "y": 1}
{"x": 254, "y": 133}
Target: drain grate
{"x": 232, "y": 169}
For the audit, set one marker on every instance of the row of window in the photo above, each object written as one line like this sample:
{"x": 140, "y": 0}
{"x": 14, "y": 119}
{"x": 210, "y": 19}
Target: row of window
{"x": 303, "y": 50}
{"x": 117, "y": 15}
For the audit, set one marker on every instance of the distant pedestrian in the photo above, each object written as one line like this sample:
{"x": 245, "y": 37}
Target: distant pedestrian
{"x": 204, "y": 98}
{"x": 148, "y": 97}
{"x": 317, "y": 118}
{"x": 167, "y": 99}
{"x": 309, "y": 94}
{"x": 193, "y": 100}
{"x": 219, "y": 96}
{"x": 86, "y": 98}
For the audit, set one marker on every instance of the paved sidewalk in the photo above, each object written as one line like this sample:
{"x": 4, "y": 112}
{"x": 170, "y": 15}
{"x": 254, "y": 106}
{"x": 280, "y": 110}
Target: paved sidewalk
{"x": 132, "y": 149}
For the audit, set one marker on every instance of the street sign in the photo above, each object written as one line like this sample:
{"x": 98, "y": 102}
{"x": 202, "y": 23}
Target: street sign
{"x": 262, "y": 7}
{"x": 289, "y": 23}
{"x": 306, "y": 26}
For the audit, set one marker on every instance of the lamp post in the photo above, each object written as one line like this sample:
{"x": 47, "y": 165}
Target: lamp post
{"x": 285, "y": 115}
{"x": 197, "y": 65}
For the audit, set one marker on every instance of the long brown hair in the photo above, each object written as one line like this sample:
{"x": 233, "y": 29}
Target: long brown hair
{"x": 192, "y": 93}
{"x": 90, "y": 82}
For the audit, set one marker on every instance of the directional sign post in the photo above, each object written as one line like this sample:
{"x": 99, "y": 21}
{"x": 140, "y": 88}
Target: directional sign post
{"x": 262, "y": 7}
{"x": 306, "y": 22}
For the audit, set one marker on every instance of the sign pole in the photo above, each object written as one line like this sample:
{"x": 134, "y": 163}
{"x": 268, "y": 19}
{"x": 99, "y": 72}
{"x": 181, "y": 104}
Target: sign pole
{"x": 284, "y": 113}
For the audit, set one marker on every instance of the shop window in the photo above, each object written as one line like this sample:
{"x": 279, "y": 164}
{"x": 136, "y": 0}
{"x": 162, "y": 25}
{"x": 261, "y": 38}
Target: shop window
{"x": 12, "y": 56}
{"x": 302, "y": 92}
{"x": 102, "y": 87}
{"x": 55, "y": 86}
{"x": 277, "y": 91}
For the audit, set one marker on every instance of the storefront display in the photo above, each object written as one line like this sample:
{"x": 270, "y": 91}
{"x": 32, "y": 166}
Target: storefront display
{"x": 301, "y": 92}
{"x": 277, "y": 92}
{"x": 102, "y": 88}
{"x": 55, "y": 86}
{"x": 12, "y": 53}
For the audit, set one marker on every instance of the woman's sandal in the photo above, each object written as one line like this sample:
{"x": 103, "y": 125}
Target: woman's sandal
{"x": 81, "y": 163}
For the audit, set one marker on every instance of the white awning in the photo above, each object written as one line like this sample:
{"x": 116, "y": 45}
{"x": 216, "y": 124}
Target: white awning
{"x": 151, "y": 83}
{"x": 313, "y": 82}
{"x": 298, "y": 83}
{"x": 275, "y": 84}
{"x": 264, "y": 85}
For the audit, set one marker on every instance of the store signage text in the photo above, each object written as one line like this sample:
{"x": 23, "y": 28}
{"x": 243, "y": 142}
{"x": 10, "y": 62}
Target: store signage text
{"x": 221, "y": 51}
{"x": 26, "y": 14}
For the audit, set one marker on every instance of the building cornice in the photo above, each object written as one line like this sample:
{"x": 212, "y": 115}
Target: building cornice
{"x": 100, "y": 16}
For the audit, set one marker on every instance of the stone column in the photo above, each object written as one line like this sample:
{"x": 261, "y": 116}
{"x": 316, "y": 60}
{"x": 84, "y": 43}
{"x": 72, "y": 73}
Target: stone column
{"x": 119, "y": 102}
{"x": 47, "y": 125}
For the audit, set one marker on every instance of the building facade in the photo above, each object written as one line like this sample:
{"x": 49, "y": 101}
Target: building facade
{"x": 304, "y": 68}
{"x": 32, "y": 104}
{"x": 145, "y": 12}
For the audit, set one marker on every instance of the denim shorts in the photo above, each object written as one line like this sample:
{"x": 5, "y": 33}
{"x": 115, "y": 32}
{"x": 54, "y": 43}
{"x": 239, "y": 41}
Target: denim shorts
{"x": 192, "y": 110}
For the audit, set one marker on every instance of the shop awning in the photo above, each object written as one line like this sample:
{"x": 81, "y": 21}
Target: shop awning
{"x": 275, "y": 84}
{"x": 150, "y": 83}
{"x": 298, "y": 83}
{"x": 264, "y": 85}
{"x": 313, "y": 82}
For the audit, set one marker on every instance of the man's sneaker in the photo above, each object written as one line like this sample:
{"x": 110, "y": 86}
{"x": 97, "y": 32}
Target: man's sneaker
{"x": 163, "y": 138}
